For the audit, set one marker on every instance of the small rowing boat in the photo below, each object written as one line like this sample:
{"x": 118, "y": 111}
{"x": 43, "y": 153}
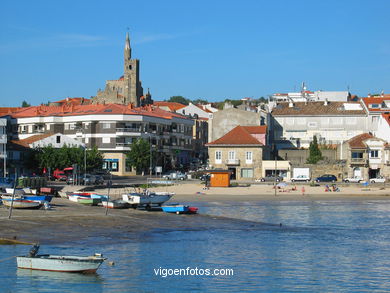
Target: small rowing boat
{"x": 179, "y": 209}
{"x": 59, "y": 263}
{"x": 19, "y": 203}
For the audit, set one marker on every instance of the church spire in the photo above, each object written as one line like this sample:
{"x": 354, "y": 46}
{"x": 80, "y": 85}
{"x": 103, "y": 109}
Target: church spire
{"x": 127, "y": 47}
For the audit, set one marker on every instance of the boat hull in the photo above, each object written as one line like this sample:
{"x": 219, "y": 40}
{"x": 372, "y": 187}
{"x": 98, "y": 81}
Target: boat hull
{"x": 47, "y": 198}
{"x": 71, "y": 264}
{"x": 157, "y": 198}
{"x": 89, "y": 201}
{"x": 179, "y": 209}
{"x": 22, "y": 204}
{"x": 115, "y": 204}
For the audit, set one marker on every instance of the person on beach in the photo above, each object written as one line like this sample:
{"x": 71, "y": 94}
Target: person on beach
{"x": 303, "y": 190}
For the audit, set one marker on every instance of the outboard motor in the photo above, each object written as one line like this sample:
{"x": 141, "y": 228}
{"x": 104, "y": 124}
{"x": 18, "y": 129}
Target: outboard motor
{"x": 34, "y": 250}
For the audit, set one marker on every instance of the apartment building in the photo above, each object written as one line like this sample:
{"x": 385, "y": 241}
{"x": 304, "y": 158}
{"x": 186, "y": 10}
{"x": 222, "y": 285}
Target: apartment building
{"x": 293, "y": 125}
{"x": 111, "y": 128}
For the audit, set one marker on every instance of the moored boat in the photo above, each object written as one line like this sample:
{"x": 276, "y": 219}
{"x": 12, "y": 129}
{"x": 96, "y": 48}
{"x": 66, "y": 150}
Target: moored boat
{"x": 59, "y": 263}
{"x": 47, "y": 198}
{"x": 115, "y": 204}
{"x": 147, "y": 198}
{"x": 89, "y": 201}
{"x": 19, "y": 203}
{"x": 179, "y": 209}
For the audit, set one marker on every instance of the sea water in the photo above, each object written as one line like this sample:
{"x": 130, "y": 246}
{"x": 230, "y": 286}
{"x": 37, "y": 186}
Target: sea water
{"x": 313, "y": 246}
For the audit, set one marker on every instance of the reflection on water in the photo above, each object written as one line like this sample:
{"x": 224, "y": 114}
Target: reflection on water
{"x": 320, "y": 246}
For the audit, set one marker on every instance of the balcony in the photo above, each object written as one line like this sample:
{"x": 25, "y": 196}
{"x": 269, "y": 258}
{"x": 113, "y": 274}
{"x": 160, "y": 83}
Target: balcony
{"x": 128, "y": 129}
{"x": 358, "y": 161}
{"x": 232, "y": 162}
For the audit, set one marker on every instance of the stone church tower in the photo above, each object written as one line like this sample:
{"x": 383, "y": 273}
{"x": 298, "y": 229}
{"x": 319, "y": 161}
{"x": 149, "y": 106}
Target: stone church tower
{"x": 127, "y": 89}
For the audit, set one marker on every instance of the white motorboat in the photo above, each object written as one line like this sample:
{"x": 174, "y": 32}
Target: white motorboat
{"x": 59, "y": 263}
{"x": 147, "y": 199}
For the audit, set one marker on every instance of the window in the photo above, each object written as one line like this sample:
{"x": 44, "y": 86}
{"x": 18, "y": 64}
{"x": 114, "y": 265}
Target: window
{"x": 248, "y": 157}
{"x": 357, "y": 155}
{"x": 58, "y": 139}
{"x": 374, "y": 154}
{"x": 218, "y": 157}
{"x": 374, "y": 106}
{"x": 106, "y": 139}
{"x": 247, "y": 173}
{"x": 106, "y": 125}
{"x": 312, "y": 124}
{"x": 232, "y": 155}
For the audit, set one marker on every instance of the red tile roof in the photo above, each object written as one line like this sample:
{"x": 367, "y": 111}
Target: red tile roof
{"x": 357, "y": 142}
{"x": 8, "y": 110}
{"x": 173, "y": 106}
{"x": 101, "y": 109}
{"x": 376, "y": 100}
{"x": 202, "y": 107}
{"x": 240, "y": 135}
{"x": 386, "y": 117}
{"x": 27, "y": 141}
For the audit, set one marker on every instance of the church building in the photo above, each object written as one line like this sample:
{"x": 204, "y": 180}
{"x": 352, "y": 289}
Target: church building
{"x": 127, "y": 89}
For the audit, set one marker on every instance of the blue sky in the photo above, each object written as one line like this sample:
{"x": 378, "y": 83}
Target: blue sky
{"x": 199, "y": 49}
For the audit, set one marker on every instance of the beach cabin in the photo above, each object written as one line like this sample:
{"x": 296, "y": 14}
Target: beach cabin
{"x": 220, "y": 178}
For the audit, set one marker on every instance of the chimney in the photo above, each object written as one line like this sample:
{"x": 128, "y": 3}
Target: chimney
{"x": 290, "y": 104}
{"x": 326, "y": 102}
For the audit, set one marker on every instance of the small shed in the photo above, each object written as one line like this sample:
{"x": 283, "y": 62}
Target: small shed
{"x": 220, "y": 178}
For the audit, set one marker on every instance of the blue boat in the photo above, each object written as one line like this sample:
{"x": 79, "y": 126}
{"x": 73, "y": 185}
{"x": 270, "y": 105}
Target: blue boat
{"x": 47, "y": 198}
{"x": 179, "y": 209}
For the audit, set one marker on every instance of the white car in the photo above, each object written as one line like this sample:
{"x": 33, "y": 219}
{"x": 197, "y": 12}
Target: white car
{"x": 353, "y": 179}
{"x": 303, "y": 178}
{"x": 379, "y": 179}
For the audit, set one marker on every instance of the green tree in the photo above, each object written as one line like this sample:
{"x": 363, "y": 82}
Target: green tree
{"x": 25, "y": 104}
{"x": 49, "y": 157}
{"x": 200, "y": 101}
{"x": 179, "y": 99}
{"x": 94, "y": 159}
{"x": 139, "y": 155}
{"x": 315, "y": 154}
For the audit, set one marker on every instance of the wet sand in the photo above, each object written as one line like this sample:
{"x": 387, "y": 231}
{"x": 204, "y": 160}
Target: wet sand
{"x": 69, "y": 222}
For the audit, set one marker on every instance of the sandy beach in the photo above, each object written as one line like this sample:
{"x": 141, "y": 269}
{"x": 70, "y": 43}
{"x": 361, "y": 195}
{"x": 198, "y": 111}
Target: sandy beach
{"x": 69, "y": 222}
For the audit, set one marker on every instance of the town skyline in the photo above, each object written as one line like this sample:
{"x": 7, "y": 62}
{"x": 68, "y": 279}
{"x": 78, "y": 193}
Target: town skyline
{"x": 233, "y": 52}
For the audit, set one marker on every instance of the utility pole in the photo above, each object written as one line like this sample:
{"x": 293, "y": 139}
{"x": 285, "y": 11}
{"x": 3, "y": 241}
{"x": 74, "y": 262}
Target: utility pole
{"x": 150, "y": 155}
{"x": 275, "y": 158}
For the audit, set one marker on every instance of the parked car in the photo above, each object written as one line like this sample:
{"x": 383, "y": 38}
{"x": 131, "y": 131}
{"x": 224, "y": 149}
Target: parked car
{"x": 89, "y": 179}
{"x": 270, "y": 178}
{"x": 302, "y": 178}
{"x": 379, "y": 179}
{"x": 354, "y": 179}
{"x": 326, "y": 178}
{"x": 175, "y": 175}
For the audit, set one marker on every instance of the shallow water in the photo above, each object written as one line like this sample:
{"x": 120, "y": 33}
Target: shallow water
{"x": 319, "y": 246}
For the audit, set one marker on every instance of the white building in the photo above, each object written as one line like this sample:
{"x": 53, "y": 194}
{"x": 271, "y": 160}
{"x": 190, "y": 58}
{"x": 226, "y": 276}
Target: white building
{"x": 383, "y": 129}
{"x": 295, "y": 124}
{"x": 309, "y": 96}
{"x": 201, "y": 111}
